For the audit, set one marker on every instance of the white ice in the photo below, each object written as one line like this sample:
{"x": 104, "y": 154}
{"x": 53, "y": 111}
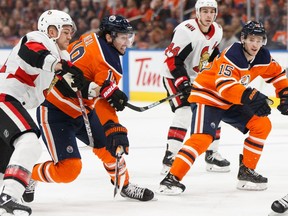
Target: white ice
{"x": 206, "y": 193}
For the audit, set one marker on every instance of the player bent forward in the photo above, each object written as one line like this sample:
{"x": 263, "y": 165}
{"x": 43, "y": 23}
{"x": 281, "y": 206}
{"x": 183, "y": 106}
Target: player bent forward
{"x": 28, "y": 73}
{"x": 61, "y": 122}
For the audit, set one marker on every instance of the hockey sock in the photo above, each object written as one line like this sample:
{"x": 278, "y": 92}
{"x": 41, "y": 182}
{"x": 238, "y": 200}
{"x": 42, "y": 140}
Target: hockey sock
{"x": 260, "y": 128}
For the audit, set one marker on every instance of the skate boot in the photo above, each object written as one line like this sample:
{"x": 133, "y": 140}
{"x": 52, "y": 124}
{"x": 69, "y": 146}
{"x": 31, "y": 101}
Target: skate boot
{"x": 167, "y": 162}
{"x": 215, "y": 162}
{"x": 281, "y": 205}
{"x": 28, "y": 195}
{"x": 10, "y": 205}
{"x": 249, "y": 179}
{"x": 171, "y": 186}
{"x": 135, "y": 192}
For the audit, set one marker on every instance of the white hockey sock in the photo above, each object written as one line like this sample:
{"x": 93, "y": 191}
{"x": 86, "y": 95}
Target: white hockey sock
{"x": 182, "y": 119}
{"x": 27, "y": 151}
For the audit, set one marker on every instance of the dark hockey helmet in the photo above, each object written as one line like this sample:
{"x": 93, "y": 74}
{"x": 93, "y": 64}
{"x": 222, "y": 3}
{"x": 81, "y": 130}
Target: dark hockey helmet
{"x": 115, "y": 23}
{"x": 254, "y": 28}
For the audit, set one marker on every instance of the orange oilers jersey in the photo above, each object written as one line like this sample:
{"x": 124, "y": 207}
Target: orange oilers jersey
{"x": 98, "y": 61}
{"x": 222, "y": 82}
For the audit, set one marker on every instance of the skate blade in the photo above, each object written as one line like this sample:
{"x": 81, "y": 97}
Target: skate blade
{"x": 165, "y": 170}
{"x": 272, "y": 213}
{"x": 251, "y": 186}
{"x": 20, "y": 213}
{"x": 135, "y": 200}
{"x": 121, "y": 184}
{"x": 3, "y": 212}
{"x": 215, "y": 168}
{"x": 173, "y": 191}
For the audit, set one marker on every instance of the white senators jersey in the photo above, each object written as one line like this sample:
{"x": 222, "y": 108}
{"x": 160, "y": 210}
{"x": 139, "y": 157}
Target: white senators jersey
{"x": 29, "y": 69}
{"x": 191, "y": 47}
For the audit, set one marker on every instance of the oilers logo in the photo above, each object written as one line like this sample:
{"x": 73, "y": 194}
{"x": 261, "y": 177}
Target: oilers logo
{"x": 245, "y": 80}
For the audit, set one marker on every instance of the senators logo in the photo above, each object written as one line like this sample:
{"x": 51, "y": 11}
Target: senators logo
{"x": 204, "y": 57}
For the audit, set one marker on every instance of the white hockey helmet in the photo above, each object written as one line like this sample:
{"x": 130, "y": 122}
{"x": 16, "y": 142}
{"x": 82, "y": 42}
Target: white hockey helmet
{"x": 205, "y": 3}
{"x": 55, "y": 18}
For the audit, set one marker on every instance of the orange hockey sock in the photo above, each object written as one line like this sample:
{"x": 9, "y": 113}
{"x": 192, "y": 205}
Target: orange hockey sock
{"x": 109, "y": 163}
{"x": 64, "y": 171}
{"x": 193, "y": 147}
{"x": 259, "y": 129}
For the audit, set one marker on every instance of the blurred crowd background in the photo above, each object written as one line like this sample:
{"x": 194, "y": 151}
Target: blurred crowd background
{"x": 153, "y": 20}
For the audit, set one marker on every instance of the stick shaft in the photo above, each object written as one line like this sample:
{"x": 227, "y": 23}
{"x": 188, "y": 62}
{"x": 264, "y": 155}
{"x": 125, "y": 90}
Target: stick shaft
{"x": 142, "y": 109}
{"x": 119, "y": 152}
{"x": 85, "y": 118}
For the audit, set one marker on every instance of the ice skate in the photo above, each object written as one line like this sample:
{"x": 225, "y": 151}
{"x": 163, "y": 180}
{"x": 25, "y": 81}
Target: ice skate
{"x": 167, "y": 162}
{"x": 28, "y": 195}
{"x": 281, "y": 205}
{"x": 135, "y": 192}
{"x": 215, "y": 162}
{"x": 9, "y": 205}
{"x": 249, "y": 179}
{"x": 170, "y": 186}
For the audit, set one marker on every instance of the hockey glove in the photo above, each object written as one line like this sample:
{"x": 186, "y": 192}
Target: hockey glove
{"x": 90, "y": 90}
{"x": 113, "y": 95}
{"x": 283, "y": 106}
{"x": 72, "y": 75}
{"x": 183, "y": 85}
{"x": 256, "y": 101}
{"x": 116, "y": 136}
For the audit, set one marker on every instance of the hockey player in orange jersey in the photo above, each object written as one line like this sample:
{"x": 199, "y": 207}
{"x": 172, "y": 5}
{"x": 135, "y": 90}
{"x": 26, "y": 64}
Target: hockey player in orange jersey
{"x": 60, "y": 117}
{"x": 194, "y": 44}
{"x": 221, "y": 93}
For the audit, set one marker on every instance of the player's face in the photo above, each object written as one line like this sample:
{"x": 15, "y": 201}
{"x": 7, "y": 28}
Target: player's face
{"x": 207, "y": 16}
{"x": 65, "y": 37}
{"x": 252, "y": 44}
{"x": 122, "y": 41}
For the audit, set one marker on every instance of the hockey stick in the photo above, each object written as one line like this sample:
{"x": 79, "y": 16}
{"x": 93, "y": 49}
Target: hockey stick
{"x": 83, "y": 110}
{"x": 142, "y": 109}
{"x": 52, "y": 84}
{"x": 119, "y": 152}
{"x": 85, "y": 118}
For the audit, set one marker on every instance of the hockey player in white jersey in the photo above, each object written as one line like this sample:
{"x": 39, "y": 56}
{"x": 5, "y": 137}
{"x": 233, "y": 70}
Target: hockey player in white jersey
{"x": 27, "y": 75}
{"x": 193, "y": 45}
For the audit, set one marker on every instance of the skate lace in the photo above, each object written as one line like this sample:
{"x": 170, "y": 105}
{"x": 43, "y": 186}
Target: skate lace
{"x": 284, "y": 201}
{"x": 31, "y": 186}
{"x": 134, "y": 191}
{"x": 169, "y": 155}
{"x": 253, "y": 172}
{"x": 215, "y": 155}
{"x": 7, "y": 198}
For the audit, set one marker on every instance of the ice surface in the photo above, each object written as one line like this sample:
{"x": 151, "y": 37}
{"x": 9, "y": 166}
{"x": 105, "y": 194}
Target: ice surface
{"x": 206, "y": 193}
